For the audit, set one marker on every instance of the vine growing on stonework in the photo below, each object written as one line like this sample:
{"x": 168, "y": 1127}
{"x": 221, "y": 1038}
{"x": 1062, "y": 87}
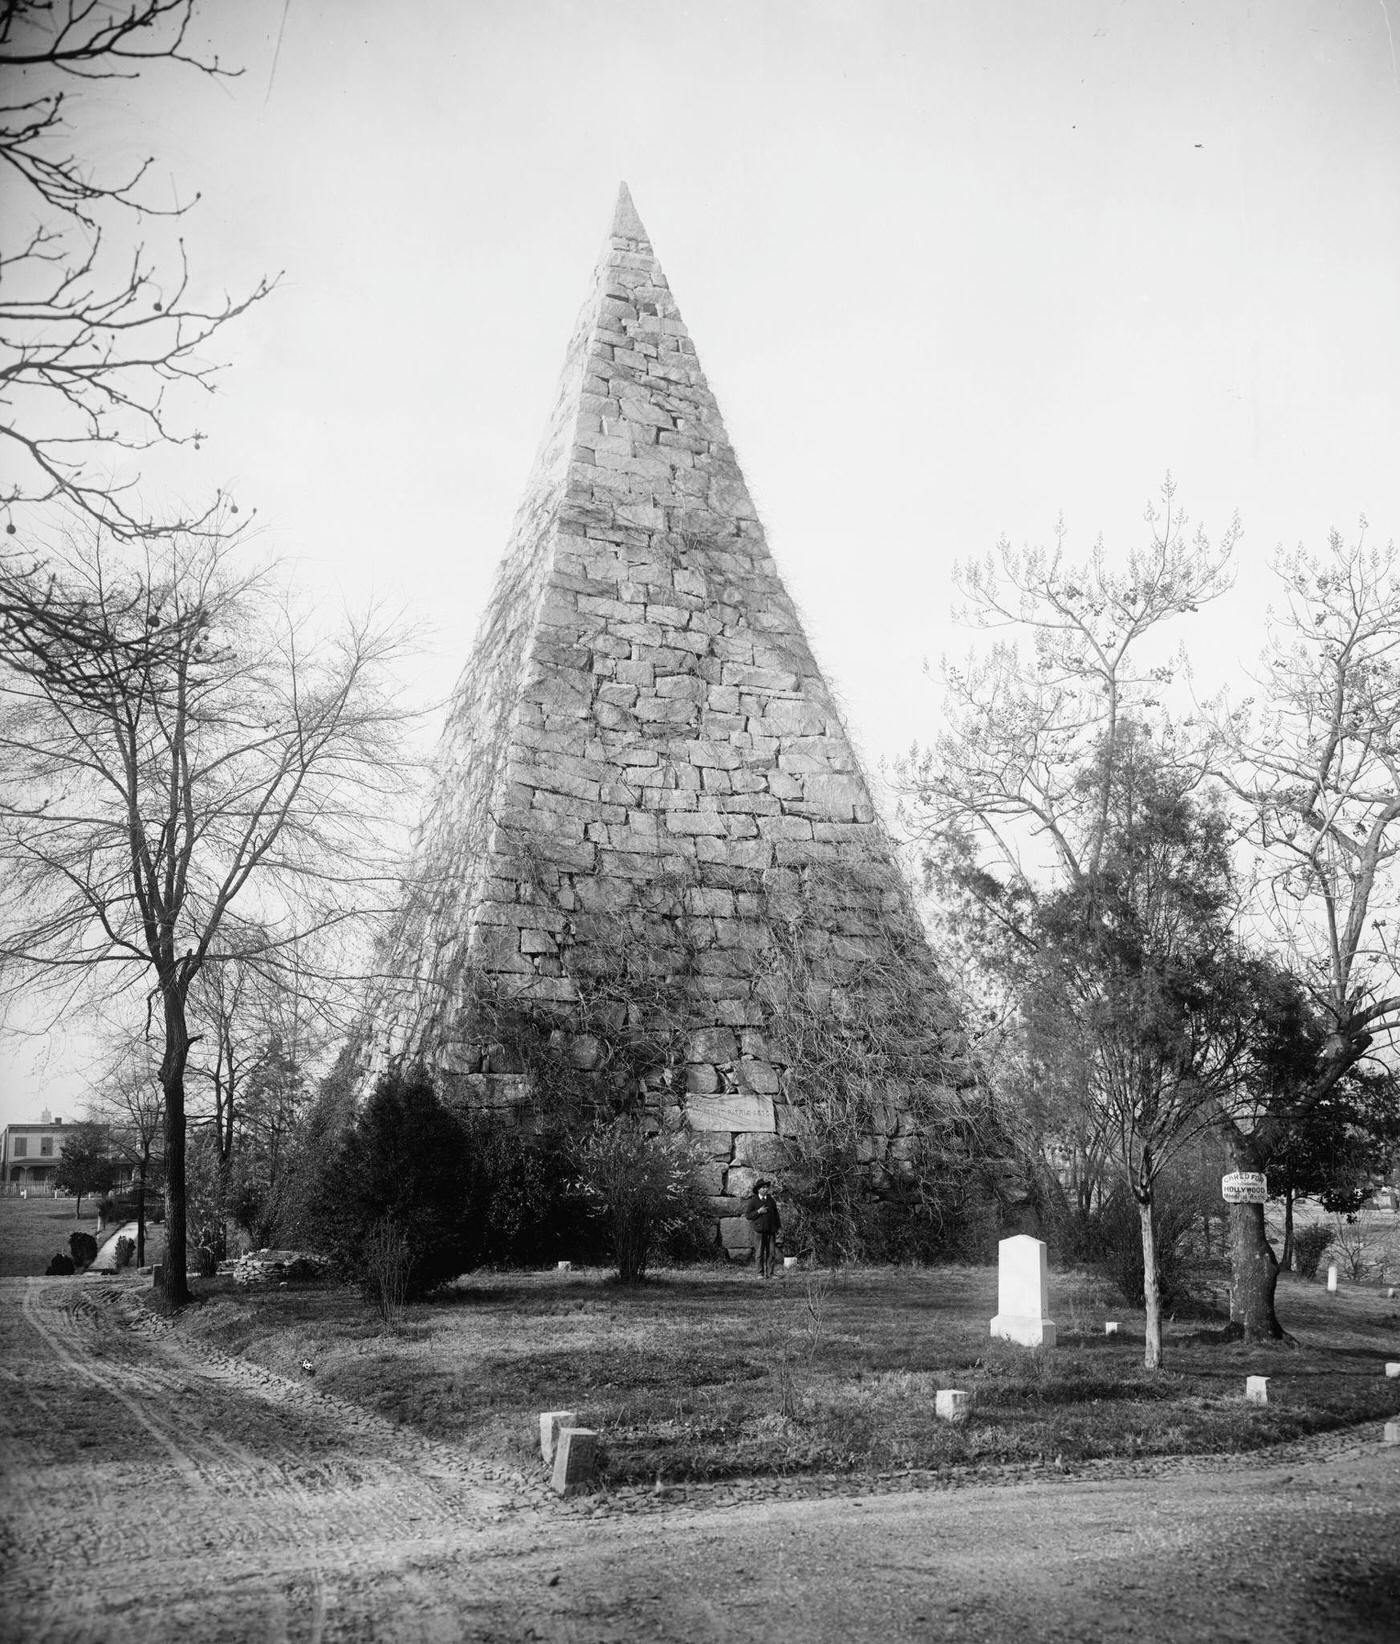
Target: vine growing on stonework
{"x": 872, "y": 1051}
{"x": 630, "y": 966}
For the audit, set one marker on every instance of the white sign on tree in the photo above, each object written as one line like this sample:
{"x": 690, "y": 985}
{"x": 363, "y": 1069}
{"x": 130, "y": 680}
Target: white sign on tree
{"x": 1244, "y": 1187}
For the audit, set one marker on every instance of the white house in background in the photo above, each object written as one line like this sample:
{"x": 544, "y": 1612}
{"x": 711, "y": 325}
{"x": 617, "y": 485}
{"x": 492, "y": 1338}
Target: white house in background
{"x": 29, "y": 1154}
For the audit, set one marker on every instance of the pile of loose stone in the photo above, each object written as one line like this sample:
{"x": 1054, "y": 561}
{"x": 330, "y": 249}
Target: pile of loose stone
{"x": 261, "y": 1269}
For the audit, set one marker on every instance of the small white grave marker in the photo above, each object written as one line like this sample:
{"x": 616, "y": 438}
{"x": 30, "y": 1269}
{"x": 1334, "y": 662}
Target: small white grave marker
{"x": 574, "y": 1460}
{"x": 1023, "y": 1293}
{"x": 563, "y": 1267}
{"x": 1390, "y": 1294}
{"x": 1256, "y": 1389}
{"x": 550, "y": 1423}
{"x": 1392, "y": 1432}
{"x": 789, "y": 1261}
{"x": 1332, "y": 1279}
{"x": 1110, "y": 1327}
{"x": 952, "y": 1404}
{"x": 1392, "y": 1370}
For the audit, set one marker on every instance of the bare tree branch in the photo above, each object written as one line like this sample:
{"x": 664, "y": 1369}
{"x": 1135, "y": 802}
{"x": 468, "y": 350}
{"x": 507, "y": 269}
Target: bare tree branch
{"x": 102, "y": 336}
{"x": 222, "y": 795}
{"x": 1314, "y": 764}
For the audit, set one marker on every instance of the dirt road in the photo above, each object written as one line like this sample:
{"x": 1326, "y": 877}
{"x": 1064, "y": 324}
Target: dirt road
{"x": 150, "y": 1495}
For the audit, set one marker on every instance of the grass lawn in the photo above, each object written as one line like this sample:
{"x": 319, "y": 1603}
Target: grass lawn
{"x": 35, "y": 1230}
{"x": 1365, "y": 1246}
{"x": 707, "y": 1372}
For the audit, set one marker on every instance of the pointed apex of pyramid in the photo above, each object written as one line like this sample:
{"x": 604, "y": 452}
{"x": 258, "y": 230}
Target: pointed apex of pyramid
{"x": 626, "y": 224}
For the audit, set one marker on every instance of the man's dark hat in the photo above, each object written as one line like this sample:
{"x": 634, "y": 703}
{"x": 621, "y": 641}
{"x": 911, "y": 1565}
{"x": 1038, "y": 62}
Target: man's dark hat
{"x": 761, "y": 1182}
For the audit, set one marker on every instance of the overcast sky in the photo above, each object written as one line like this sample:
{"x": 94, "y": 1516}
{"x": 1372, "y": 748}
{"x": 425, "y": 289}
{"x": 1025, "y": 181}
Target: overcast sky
{"x": 954, "y": 268}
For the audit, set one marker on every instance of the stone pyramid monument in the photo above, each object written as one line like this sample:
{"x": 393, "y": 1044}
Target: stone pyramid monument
{"x": 650, "y": 874}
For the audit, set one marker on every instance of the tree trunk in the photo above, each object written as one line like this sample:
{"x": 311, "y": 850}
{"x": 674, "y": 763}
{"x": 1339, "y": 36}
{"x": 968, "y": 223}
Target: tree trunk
{"x": 141, "y": 1208}
{"x": 218, "y": 1243}
{"x": 1152, "y": 1296}
{"x": 1254, "y": 1272}
{"x": 1253, "y": 1265}
{"x": 1287, "y": 1261}
{"x": 175, "y": 1288}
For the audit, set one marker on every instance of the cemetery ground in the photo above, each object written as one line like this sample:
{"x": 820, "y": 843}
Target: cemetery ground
{"x": 714, "y": 1374}
{"x": 34, "y": 1230}
{"x": 271, "y": 1465}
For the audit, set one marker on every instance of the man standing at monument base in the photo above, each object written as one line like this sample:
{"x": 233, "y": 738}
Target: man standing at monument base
{"x": 761, "y": 1208}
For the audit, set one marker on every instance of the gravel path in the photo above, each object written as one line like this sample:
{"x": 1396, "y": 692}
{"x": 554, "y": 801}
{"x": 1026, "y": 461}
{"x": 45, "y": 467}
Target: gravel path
{"x": 153, "y": 1495}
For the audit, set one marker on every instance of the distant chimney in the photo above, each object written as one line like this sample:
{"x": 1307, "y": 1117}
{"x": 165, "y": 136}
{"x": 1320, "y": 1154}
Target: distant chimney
{"x": 59, "y": 1119}
{"x": 44, "y": 1118}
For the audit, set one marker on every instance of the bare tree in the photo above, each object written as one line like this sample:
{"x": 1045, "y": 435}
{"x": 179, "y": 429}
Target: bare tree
{"x": 1002, "y": 793}
{"x": 100, "y": 321}
{"x": 266, "y": 1019}
{"x": 224, "y": 795}
{"x": 104, "y": 334}
{"x": 127, "y": 1101}
{"x": 218, "y": 1001}
{"x": 1314, "y": 765}
{"x": 1013, "y": 800}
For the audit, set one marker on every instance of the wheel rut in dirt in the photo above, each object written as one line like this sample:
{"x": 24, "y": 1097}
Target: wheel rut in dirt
{"x": 188, "y": 1470}
{"x": 162, "y": 1493}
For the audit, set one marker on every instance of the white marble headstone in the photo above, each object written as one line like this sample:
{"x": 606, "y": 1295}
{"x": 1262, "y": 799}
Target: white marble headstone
{"x": 1023, "y": 1293}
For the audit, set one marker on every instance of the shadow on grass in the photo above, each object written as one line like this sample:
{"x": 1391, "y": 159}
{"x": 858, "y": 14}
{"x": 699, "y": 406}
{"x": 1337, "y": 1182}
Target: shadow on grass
{"x": 1359, "y": 1602}
{"x": 1079, "y": 1391}
{"x": 543, "y": 1292}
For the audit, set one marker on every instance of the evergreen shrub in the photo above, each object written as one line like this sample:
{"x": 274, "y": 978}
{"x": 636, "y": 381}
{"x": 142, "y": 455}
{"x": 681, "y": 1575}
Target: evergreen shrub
{"x": 405, "y": 1162}
{"x": 530, "y": 1209}
{"x": 1309, "y": 1246}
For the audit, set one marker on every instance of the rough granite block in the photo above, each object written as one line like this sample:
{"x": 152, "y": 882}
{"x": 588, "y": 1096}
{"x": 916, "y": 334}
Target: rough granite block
{"x": 551, "y": 1421}
{"x": 575, "y": 1458}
